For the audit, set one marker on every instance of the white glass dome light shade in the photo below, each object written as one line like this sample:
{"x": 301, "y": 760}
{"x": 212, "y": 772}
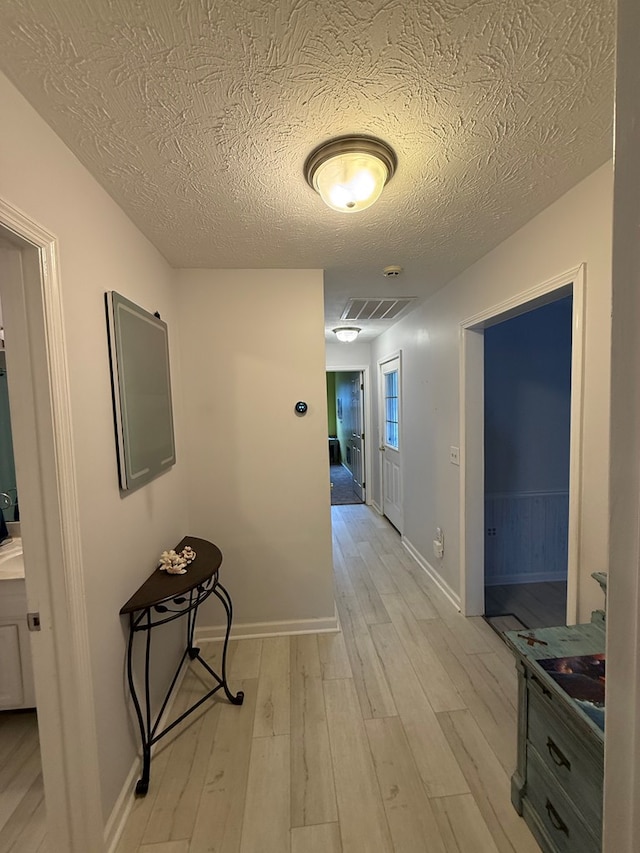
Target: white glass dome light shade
{"x": 347, "y": 334}
{"x": 350, "y": 172}
{"x": 350, "y": 182}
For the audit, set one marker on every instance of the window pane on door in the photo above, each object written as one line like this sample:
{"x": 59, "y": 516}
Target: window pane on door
{"x": 391, "y": 409}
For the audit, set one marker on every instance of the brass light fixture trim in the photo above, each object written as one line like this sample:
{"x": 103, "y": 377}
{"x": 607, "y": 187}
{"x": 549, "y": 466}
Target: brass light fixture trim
{"x": 348, "y": 155}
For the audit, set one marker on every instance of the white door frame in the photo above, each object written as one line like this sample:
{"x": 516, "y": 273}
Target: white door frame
{"x": 51, "y": 533}
{"x": 472, "y": 434}
{"x": 366, "y": 419}
{"x": 390, "y": 357}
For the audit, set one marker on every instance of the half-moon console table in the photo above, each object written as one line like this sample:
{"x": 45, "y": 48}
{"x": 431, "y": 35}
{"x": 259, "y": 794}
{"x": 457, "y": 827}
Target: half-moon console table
{"x": 162, "y": 598}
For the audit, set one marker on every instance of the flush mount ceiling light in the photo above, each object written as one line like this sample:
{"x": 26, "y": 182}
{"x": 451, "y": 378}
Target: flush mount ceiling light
{"x": 350, "y": 172}
{"x": 347, "y": 334}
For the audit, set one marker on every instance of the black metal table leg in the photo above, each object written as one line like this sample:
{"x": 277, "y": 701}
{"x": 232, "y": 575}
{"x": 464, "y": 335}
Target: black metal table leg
{"x": 160, "y": 600}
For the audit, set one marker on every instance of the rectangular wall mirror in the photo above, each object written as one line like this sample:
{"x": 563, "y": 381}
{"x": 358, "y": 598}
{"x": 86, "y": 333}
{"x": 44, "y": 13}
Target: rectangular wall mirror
{"x": 139, "y": 350}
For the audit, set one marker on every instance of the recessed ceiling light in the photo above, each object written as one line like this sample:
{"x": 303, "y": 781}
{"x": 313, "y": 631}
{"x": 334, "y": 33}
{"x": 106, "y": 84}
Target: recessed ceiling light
{"x": 350, "y": 172}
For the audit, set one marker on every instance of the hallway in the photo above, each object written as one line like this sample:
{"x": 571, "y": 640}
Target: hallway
{"x": 397, "y": 735}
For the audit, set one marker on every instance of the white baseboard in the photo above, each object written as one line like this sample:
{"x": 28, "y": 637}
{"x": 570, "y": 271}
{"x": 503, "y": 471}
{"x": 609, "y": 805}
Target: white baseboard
{"x": 437, "y": 578}
{"x": 256, "y": 630}
{"x": 537, "y": 577}
{"x": 123, "y": 805}
{"x": 120, "y": 812}
{"x": 375, "y": 506}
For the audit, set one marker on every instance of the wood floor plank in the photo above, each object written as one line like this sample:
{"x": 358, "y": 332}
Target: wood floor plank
{"x": 305, "y": 655}
{"x": 469, "y": 634}
{"x": 435, "y": 680}
{"x": 409, "y": 814}
{"x": 143, "y": 807}
{"x": 351, "y": 619}
{"x": 218, "y": 824}
{"x": 342, "y": 581}
{"x": 496, "y": 642}
{"x": 492, "y": 712}
{"x": 488, "y": 781}
{"x": 368, "y": 596}
{"x": 165, "y": 847}
{"x": 383, "y": 580}
{"x": 435, "y": 761}
{"x": 462, "y": 826}
{"x": 502, "y": 677}
{"x": 322, "y": 838}
{"x": 343, "y": 536}
{"x": 266, "y": 826}
{"x": 416, "y": 599}
{"x": 371, "y": 685}
{"x": 245, "y": 661}
{"x": 179, "y": 789}
{"x": 273, "y": 709}
{"x": 26, "y": 828}
{"x": 313, "y": 798}
{"x": 17, "y": 778}
{"x": 447, "y": 652}
{"x": 334, "y": 661}
{"x": 363, "y": 824}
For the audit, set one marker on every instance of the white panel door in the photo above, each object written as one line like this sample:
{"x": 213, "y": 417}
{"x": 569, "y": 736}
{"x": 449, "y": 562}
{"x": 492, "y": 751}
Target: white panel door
{"x": 391, "y": 443}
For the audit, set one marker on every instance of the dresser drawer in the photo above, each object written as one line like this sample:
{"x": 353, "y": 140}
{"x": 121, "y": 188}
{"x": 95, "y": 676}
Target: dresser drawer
{"x": 546, "y": 803}
{"x": 573, "y": 761}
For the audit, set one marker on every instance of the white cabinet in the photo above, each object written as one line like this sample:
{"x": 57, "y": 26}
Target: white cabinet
{"x": 11, "y": 691}
{"x": 16, "y": 674}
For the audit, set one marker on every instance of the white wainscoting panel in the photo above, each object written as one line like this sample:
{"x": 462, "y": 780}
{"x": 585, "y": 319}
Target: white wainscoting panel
{"x": 526, "y": 537}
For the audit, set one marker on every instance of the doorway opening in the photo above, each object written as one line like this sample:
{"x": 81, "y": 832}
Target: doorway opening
{"x": 346, "y": 431}
{"x": 475, "y": 531}
{"x": 49, "y": 527}
{"x": 527, "y": 422}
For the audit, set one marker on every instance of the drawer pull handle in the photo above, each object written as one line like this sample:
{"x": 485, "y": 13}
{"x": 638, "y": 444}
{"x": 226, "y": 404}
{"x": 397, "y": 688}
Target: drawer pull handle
{"x": 557, "y": 756}
{"x": 556, "y": 820}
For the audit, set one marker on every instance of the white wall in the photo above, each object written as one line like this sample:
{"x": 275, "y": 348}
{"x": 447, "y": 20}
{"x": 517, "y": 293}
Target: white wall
{"x": 252, "y": 346}
{"x": 622, "y": 750}
{"x": 347, "y": 355}
{"x": 100, "y": 250}
{"x": 576, "y": 229}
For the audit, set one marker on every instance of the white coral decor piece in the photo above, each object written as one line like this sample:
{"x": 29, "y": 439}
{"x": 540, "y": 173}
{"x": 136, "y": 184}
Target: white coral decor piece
{"x": 174, "y": 563}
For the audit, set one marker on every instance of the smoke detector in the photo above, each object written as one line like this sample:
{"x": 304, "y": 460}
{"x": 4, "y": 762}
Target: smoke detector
{"x": 392, "y": 271}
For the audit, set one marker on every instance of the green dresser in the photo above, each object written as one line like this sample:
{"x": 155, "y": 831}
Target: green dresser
{"x": 557, "y": 785}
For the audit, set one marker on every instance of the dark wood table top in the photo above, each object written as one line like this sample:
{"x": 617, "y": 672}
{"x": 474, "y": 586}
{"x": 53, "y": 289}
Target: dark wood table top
{"x": 162, "y": 586}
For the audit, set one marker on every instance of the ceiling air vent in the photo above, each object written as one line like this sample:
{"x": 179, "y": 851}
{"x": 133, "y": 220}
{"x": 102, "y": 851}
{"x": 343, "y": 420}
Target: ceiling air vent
{"x": 377, "y": 308}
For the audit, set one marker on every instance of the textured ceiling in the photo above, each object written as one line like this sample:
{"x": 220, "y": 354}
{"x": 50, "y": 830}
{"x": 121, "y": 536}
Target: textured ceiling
{"x": 197, "y": 116}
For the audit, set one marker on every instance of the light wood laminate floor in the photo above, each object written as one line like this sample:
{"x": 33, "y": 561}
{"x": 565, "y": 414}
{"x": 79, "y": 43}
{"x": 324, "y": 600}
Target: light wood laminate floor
{"x": 22, "y": 815}
{"x": 397, "y": 735}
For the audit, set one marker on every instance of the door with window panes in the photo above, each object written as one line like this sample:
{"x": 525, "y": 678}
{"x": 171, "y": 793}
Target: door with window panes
{"x": 390, "y": 446}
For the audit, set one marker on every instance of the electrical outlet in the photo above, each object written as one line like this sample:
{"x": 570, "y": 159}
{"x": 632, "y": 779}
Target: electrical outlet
{"x": 454, "y": 455}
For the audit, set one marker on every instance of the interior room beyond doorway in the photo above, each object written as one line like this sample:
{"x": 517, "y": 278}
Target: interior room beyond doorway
{"x": 345, "y": 413}
{"x": 527, "y": 392}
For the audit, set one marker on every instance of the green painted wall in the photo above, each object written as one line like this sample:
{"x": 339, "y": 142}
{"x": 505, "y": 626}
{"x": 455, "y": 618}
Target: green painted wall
{"x": 331, "y": 403}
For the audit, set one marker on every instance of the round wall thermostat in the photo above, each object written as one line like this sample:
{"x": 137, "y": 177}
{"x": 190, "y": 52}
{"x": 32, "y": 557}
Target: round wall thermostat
{"x": 301, "y": 407}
